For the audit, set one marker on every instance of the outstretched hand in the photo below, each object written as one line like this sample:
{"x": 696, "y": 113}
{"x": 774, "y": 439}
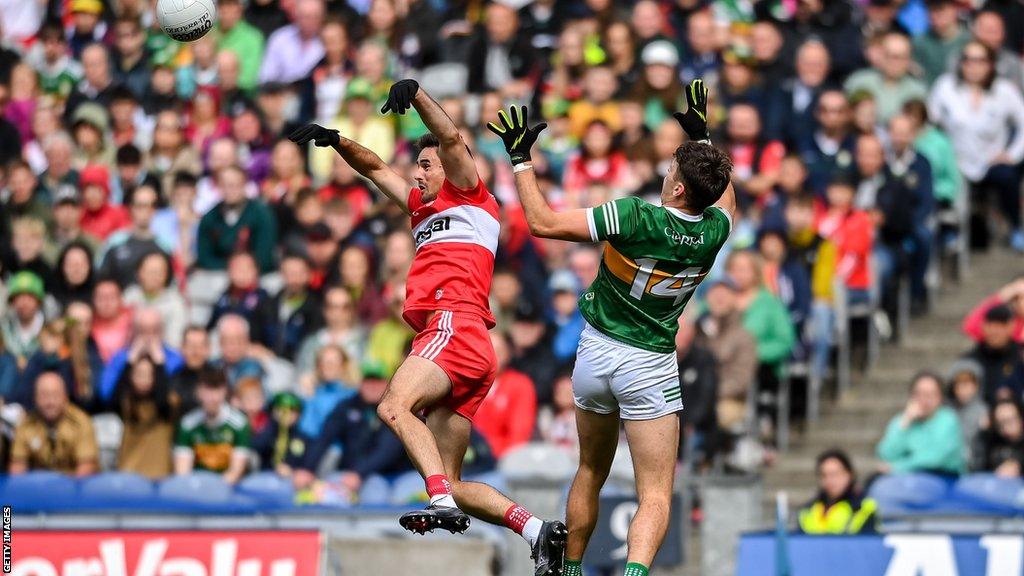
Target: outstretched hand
{"x": 515, "y": 134}
{"x": 400, "y": 96}
{"x": 318, "y": 134}
{"x": 695, "y": 120}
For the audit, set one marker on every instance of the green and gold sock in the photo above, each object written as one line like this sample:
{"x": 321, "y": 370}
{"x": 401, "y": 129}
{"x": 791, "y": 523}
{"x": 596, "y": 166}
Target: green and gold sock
{"x": 573, "y": 568}
{"x": 635, "y": 569}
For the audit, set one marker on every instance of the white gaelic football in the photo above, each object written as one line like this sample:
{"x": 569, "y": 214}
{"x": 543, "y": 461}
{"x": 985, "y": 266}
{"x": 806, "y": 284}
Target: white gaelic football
{"x": 186, "y": 20}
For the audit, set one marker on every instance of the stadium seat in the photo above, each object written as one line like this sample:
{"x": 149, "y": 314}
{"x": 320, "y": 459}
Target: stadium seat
{"x": 198, "y": 487}
{"x": 272, "y": 282}
{"x": 40, "y": 492}
{"x": 990, "y": 491}
{"x": 375, "y": 491}
{"x": 116, "y": 489}
{"x": 537, "y": 460}
{"x": 268, "y": 488}
{"x": 916, "y": 491}
{"x": 109, "y": 430}
{"x": 203, "y": 289}
{"x": 408, "y": 489}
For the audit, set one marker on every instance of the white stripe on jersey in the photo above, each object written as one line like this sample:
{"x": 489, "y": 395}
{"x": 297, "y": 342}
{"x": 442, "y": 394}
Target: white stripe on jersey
{"x": 592, "y": 225}
{"x": 464, "y": 224}
{"x": 615, "y": 216}
{"x": 607, "y": 219}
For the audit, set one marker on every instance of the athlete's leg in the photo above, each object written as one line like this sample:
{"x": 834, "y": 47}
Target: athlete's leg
{"x": 452, "y": 431}
{"x": 599, "y": 434}
{"x": 653, "y": 445}
{"x": 417, "y": 384}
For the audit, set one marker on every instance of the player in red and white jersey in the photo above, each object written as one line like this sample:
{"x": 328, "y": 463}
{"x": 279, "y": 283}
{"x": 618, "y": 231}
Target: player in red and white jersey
{"x": 451, "y": 367}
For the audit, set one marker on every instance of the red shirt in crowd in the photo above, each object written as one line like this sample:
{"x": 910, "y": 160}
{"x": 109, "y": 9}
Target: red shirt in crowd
{"x": 507, "y": 414}
{"x": 852, "y": 233}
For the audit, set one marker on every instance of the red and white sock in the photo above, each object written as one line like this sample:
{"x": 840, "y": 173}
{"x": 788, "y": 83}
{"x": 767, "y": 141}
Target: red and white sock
{"x": 439, "y": 488}
{"x": 520, "y": 521}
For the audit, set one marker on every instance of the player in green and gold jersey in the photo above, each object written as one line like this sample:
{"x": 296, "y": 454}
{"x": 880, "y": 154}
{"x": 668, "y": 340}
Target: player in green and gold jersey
{"x": 654, "y": 257}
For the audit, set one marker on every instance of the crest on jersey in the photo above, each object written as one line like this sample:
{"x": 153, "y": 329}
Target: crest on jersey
{"x": 438, "y": 293}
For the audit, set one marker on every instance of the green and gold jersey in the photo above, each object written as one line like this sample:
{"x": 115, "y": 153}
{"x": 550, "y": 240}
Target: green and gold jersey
{"x": 213, "y": 442}
{"x": 653, "y": 260}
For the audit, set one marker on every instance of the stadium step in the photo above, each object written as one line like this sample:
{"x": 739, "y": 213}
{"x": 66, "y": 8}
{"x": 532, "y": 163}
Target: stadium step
{"x": 857, "y": 420}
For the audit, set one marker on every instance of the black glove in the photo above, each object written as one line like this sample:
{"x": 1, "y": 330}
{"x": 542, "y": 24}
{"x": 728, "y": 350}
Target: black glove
{"x": 400, "y": 97}
{"x": 515, "y": 134}
{"x": 695, "y": 120}
{"x": 318, "y": 134}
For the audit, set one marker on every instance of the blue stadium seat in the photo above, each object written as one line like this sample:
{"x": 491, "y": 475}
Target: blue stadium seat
{"x": 196, "y": 488}
{"x": 39, "y": 492}
{"x": 408, "y": 489}
{"x": 908, "y": 490}
{"x": 268, "y": 488}
{"x": 116, "y": 490}
{"x": 375, "y": 491}
{"x": 990, "y": 491}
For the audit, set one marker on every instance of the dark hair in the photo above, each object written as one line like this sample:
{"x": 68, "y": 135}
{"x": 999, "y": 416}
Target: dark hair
{"x": 916, "y": 109}
{"x": 428, "y": 140}
{"x": 839, "y": 455}
{"x": 66, "y": 293}
{"x": 992, "y": 413}
{"x": 51, "y": 29}
{"x": 212, "y": 377}
{"x": 183, "y": 178}
{"x": 990, "y": 54}
{"x": 127, "y": 401}
{"x": 193, "y": 328}
{"x": 927, "y": 375}
{"x": 129, "y": 154}
{"x": 705, "y": 171}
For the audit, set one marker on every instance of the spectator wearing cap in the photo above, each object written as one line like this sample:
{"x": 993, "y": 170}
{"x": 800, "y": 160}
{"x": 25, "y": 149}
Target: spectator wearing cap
{"x": 97, "y": 79}
{"x": 67, "y": 223}
{"x": 964, "y": 393}
{"x": 925, "y": 436}
{"x": 507, "y": 414}
{"x": 142, "y": 400}
{"x": 56, "y": 435}
{"x": 100, "y": 218}
{"x": 236, "y": 224}
{"x": 90, "y": 128}
{"x": 1010, "y": 295}
{"x": 21, "y": 323}
{"x": 501, "y": 58}
{"x": 341, "y": 328}
{"x": 214, "y": 437}
{"x": 281, "y": 446}
{"x": 124, "y": 250}
{"x": 293, "y": 51}
{"x": 944, "y": 39}
{"x": 357, "y": 119}
{"x": 298, "y": 310}
{"x": 87, "y": 27}
{"x": 890, "y": 82}
{"x": 996, "y": 351}
{"x": 367, "y": 445}
{"x": 147, "y": 339}
{"x": 568, "y": 321}
{"x": 58, "y": 72}
{"x": 1004, "y": 441}
{"x": 721, "y": 331}
{"x": 658, "y": 87}
{"x": 242, "y": 39}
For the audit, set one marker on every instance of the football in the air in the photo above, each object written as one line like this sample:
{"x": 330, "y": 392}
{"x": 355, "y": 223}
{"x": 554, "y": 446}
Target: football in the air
{"x": 186, "y": 20}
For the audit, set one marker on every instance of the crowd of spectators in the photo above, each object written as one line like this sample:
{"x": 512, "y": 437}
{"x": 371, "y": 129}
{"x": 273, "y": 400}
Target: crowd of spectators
{"x": 168, "y": 256}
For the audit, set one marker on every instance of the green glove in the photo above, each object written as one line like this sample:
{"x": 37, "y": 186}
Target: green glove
{"x": 515, "y": 134}
{"x": 695, "y": 120}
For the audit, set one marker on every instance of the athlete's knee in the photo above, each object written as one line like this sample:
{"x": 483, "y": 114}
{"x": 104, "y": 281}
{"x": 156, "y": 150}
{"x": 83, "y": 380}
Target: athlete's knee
{"x": 391, "y": 407}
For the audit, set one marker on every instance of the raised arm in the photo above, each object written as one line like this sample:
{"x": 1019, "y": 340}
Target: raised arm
{"x": 543, "y": 221}
{"x": 694, "y": 122}
{"x": 362, "y": 159}
{"x": 459, "y": 167}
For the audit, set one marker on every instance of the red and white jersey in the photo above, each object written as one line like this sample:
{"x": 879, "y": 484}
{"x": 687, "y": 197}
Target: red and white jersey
{"x": 456, "y": 236}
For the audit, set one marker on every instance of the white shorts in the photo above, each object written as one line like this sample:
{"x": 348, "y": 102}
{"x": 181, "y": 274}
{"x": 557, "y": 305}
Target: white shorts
{"x": 611, "y": 375}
